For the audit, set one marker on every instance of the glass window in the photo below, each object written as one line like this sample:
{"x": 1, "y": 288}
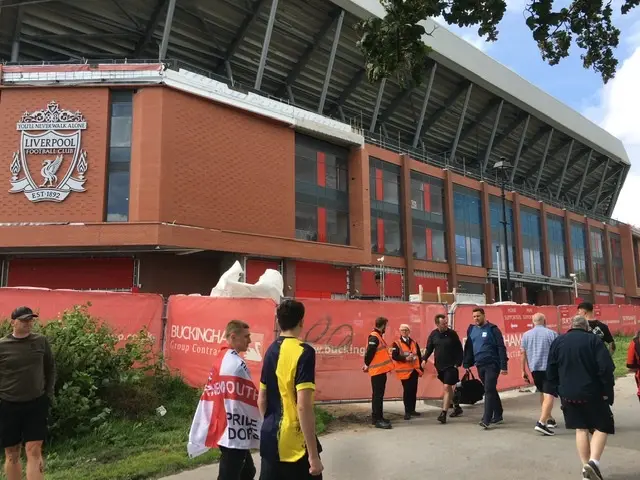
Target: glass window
{"x": 616, "y": 260}
{"x": 428, "y": 244}
{"x": 386, "y": 236}
{"x": 598, "y": 257}
{"x": 386, "y": 224}
{"x": 497, "y": 233}
{"x": 468, "y": 226}
{"x": 322, "y": 200}
{"x": 118, "y": 167}
{"x": 555, "y": 233}
{"x": 579, "y": 249}
{"x": 427, "y": 216}
{"x": 531, "y": 241}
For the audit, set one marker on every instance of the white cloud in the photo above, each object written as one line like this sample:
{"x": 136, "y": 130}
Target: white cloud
{"x": 468, "y": 34}
{"x": 617, "y": 111}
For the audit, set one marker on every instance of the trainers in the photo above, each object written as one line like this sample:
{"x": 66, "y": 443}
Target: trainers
{"x": 383, "y": 425}
{"x": 484, "y": 426}
{"x": 457, "y": 411}
{"x": 551, "y": 423}
{"x": 442, "y": 418}
{"x": 407, "y": 416}
{"x": 497, "y": 421}
{"x": 543, "y": 429}
{"x": 415, "y": 414}
{"x": 592, "y": 471}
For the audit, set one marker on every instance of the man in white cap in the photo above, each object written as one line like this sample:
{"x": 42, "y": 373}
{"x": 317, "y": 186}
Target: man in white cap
{"x": 407, "y": 359}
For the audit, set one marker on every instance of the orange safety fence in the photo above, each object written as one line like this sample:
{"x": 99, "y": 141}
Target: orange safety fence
{"x": 127, "y": 313}
{"x": 195, "y": 333}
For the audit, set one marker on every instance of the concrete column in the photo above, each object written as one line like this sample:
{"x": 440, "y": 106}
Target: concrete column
{"x": 450, "y": 230}
{"x": 407, "y": 222}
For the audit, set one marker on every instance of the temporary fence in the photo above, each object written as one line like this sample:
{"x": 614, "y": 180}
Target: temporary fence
{"x": 337, "y": 329}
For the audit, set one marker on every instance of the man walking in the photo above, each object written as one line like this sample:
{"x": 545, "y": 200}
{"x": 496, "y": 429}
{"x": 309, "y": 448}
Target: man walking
{"x": 378, "y": 363}
{"x": 407, "y": 359}
{"x": 535, "y": 347}
{"x": 585, "y": 309}
{"x": 581, "y": 369}
{"x": 27, "y": 379}
{"x": 486, "y": 350}
{"x": 229, "y": 418}
{"x": 289, "y": 447}
{"x": 447, "y": 346}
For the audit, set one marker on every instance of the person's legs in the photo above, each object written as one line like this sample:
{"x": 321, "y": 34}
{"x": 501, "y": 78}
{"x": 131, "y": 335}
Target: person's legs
{"x": 34, "y": 435}
{"x": 582, "y": 444}
{"x": 489, "y": 377}
{"x": 235, "y": 465}
{"x": 35, "y": 462}
{"x": 447, "y": 397}
{"x": 12, "y": 465}
{"x": 378, "y": 384}
{"x": 249, "y": 469}
{"x": 598, "y": 442}
{"x": 269, "y": 469}
{"x": 406, "y": 397}
{"x": 297, "y": 470}
{"x": 547, "y": 407}
{"x": 412, "y": 393}
{"x": 11, "y": 417}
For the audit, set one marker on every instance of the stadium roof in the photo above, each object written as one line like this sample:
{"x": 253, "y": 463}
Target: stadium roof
{"x": 469, "y": 112}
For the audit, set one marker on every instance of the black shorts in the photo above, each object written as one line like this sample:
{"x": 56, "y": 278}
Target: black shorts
{"x": 23, "y": 422}
{"x": 449, "y": 376}
{"x": 540, "y": 381}
{"x": 592, "y": 415}
{"x": 270, "y": 470}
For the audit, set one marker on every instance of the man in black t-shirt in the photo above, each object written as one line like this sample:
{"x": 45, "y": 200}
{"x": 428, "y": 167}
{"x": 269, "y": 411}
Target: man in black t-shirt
{"x": 585, "y": 309}
{"x": 447, "y": 346}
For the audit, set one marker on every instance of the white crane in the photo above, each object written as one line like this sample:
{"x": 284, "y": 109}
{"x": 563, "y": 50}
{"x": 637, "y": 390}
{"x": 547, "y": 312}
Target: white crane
{"x": 49, "y": 170}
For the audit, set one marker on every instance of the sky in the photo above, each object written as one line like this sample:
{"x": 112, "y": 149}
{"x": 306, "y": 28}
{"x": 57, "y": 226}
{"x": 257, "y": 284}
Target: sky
{"x": 614, "y": 106}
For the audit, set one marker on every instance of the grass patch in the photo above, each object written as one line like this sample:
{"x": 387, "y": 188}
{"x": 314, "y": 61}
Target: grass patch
{"x": 620, "y": 356}
{"x": 135, "y": 449}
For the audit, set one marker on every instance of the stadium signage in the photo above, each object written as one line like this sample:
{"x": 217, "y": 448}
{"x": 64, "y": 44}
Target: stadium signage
{"x": 44, "y": 134}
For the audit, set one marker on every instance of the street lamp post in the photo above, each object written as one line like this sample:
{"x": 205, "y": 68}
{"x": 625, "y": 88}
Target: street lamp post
{"x": 502, "y": 166}
{"x": 575, "y": 285}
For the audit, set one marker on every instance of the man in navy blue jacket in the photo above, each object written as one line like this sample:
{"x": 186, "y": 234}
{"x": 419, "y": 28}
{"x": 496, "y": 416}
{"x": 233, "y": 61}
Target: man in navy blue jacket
{"x": 485, "y": 349}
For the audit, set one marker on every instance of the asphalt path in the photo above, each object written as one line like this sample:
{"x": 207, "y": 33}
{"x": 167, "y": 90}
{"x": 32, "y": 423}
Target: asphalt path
{"x": 422, "y": 448}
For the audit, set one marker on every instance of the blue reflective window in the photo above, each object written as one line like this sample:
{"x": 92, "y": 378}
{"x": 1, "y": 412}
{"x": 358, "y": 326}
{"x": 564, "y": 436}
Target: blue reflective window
{"x": 468, "y": 226}
{"x": 531, "y": 241}
{"x": 555, "y": 233}
{"x": 119, "y": 164}
{"x": 579, "y": 251}
{"x": 497, "y": 233}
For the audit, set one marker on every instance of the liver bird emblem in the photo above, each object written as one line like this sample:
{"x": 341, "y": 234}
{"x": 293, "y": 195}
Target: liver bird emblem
{"x": 49, "y": 170}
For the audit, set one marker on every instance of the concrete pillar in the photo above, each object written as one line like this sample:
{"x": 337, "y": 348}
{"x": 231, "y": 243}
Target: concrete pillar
{"x": 450, "y": 230}
{"x": 407, "y": 222}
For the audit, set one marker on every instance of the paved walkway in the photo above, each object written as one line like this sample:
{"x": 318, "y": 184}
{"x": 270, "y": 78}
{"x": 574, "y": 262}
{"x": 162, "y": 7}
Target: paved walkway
{"x": 422, "y": 448}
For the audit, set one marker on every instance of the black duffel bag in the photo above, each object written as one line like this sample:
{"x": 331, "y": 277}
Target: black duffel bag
{"x": 469, "y": 391}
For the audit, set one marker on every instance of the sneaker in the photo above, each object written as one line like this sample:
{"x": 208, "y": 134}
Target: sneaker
{"x": 415, "y": 414}
{"x": 484, "y": 426}
{"x": 543, "y": 429}
{"x": 457, "y": 411}
{"x": 551, "y": 423}
{"x": 383, "y": 425}
{"x": 442, "y": 418}
{"x": 592, "y": 471}
{"x": 497, "y": 421}
{"x": 407, "y": 416}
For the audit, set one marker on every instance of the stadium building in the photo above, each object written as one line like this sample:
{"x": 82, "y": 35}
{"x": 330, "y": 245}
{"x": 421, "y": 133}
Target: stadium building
{"x": 148, "y": 144}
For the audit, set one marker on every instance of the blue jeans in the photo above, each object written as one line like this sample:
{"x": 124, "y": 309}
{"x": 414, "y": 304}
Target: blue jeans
{"x": 492, "y": 404}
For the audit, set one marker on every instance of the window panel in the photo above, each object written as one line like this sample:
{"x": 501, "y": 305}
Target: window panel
{"x": 616, "y": 260}
{"x": 497, "y": 233}
{"x": 306, "y": 222}
{"x": 120, "y": 131}
{"x": 531, "y": 241}
{"x": 468, "y": 226}
{"x": 597, "y": 256}
{"x": 118, "y": 167}
{"x": 579, "y": 247}
{"x": 118, "y": 197}
{"x": 337, "y": 227}
{"x": 556, "y": 246}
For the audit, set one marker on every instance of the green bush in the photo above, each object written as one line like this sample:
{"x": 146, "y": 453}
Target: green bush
{"x": 96, "y": 377}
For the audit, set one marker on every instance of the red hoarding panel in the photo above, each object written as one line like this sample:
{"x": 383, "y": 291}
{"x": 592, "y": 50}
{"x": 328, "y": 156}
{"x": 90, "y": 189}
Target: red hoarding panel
{"x": 320, "y": 277}
{"x": 126, "y": 313}
{"x": 371, "y": 286}
{"x": 195, "y": 333}
{"x": 629, "y": 319}
{"x": 257, "y": 266}
{"x": 431, "y": 285}
{"x": 609, "y": 314}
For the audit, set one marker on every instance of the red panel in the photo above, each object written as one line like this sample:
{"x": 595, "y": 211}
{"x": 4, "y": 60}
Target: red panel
{"x": 321, "y": 169}
{"x": 72, "y": 273}
{"x": 322, "y": 224}
{"x": 429, "y": 246}
{"x": 379, "y": 185}
{"x": 312, "y": 294}
{"x": 256, "y": 267}
{"x": 380, "y": 232}
{"x": 426, "y": 196}
{"x": 602, "y": 298}
{"x": 392, "y": 284}
{"x": 320, "y": 278}
{"x": 431, "y": 285}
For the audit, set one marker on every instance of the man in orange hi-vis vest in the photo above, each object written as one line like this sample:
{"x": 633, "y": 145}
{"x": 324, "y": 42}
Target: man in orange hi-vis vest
{"x": 407, "y": 360}
{"x": 377, "y": 361}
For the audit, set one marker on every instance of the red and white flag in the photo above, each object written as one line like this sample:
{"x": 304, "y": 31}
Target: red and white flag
{"x": 227, "y": 414}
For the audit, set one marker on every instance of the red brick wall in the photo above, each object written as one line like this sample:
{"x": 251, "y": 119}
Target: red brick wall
{"x": 225, "y": 169}
{"x": 87, "y": 206}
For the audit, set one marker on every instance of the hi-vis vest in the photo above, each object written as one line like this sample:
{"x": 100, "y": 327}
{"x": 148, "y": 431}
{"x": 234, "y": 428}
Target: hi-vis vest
{"x": 404, "y": 369}
{"x": 381, "y": 362}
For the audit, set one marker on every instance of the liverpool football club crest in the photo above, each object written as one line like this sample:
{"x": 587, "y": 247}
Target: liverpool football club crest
{"x": 51, "y": 162}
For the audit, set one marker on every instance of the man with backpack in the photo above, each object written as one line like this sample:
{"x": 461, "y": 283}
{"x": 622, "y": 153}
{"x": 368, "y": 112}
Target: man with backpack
{"x": 485, "y": 349}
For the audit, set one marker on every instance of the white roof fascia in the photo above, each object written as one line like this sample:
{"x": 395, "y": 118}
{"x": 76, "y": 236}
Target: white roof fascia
{"x": 463, "y": 58}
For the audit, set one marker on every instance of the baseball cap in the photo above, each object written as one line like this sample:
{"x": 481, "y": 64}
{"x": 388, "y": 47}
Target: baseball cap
{"x": 23, "y": 313}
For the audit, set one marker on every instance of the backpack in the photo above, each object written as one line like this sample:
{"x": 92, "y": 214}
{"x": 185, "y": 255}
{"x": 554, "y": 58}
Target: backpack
{"x": 469, "y": 391}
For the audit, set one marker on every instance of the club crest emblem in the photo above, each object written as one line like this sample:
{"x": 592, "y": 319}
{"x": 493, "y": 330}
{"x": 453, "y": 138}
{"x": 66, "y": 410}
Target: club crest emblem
{"x": 51, "y": 162}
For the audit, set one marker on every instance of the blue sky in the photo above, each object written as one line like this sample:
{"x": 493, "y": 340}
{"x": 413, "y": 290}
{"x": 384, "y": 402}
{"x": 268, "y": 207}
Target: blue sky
{"x": 616, "y": 106}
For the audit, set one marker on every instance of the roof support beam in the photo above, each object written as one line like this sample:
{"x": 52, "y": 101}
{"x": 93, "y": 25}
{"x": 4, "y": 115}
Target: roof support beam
{"x": 332, "y": 58}
{"x": 353, "y": 84}
{"x": 623, "y": 174}
{"x": 242, "y": 31}
{"x": 448, "y": 103}
{"x": 15, "y": 44}
{"x": 168, "y": 22}
{"x": 481, "y": 117}
{"x": 292, "y": 99}
{"x": 311, "y": 48}
{"x": 552, "y": 154}
{"x": 604, "y": 174}
{"x": 376, "y": 110}
{"x": 584, "y": 177}
{"x": 516, "y": 160}
{"x": 423, "y": 109}
{"x": 607, "y": 179}
{"x": 536, "y": 138}
{"x": 395, "y": 103}
{"x": 564, "y": 169}
{"x": 492, "y": 138}
{"x": 463, "y": 114}
{"x": 544, "y": 159}
{"x": 154, "y": 20}
{"x": 265, "y": 44}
